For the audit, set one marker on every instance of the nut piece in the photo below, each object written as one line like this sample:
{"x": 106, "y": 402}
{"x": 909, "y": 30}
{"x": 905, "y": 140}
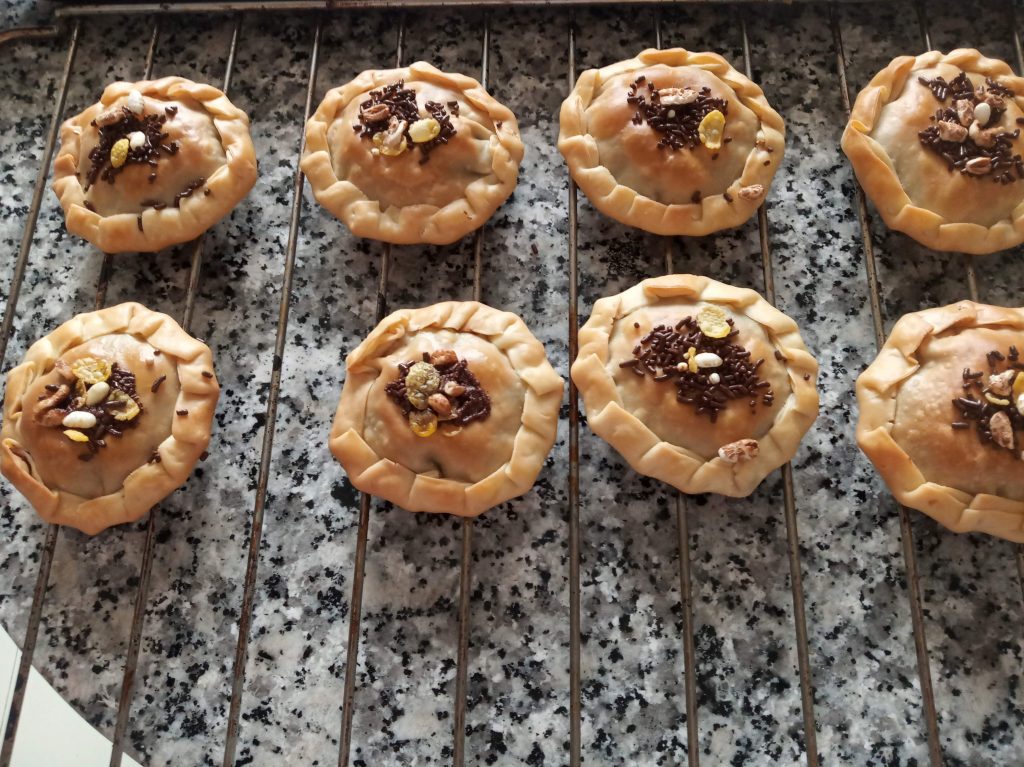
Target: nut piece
{"x": 109, "y": 117}
{"x": 91, "y": 370}
{"x": 711, "y": 129}
{"x": 119, "y": 152}
{"x": 672, "y": 97}
{"x": 978, "y": 166}
{"x": 423, "y": 422}
{"x": 424, "y": 130}
{"x": 713, "y": 322}
{"x": 129, "y": 411}
{"x": 1002, "y": 430}
{"x": 75, "y": 436}
{"x": 97, "y": 393}
{"x": 949, "y": 131}
{"x": 50, "y": 402}
{"x": 964, "y": 111}
{"x": 453, "y": 389}
{"x": 442, "y": 358}
{"x": 752, "y": 192}
{"x": 708, "y": 360}
{"x": 738, "y": 451}
{"x": 79, "y": 419}
{"x": 135, "y": 102}
{"x": 983, "y": 138}
{"x": 440, "y": 405}
{"x": 393, "y": 143}
{"x": 375, "y": 113}
{"x": 993, "y": 100}
{"x": 1002, "y": 383}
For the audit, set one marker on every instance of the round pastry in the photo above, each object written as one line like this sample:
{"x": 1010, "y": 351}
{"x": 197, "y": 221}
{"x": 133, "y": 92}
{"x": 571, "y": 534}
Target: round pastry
{"x": 942, "y": 416}
{"x": 700, "y": 384}
{"x": 672, "y": 142}
{"x": 450, "y": 408}
{"x": 935, "y": 142}
{"x": 153, "y": 164}
{"x": 412, "y": 155}
{"x": 106, "y": 416}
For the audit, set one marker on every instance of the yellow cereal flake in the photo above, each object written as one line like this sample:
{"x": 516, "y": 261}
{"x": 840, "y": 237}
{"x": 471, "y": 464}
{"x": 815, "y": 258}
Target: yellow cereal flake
{"x": 119, "y": 152}
{"x": 713, "y": 322}
{"x": 130, "y": 409}
{"x": 711, "y": 129}
{"x": 91, "y": 370}
{"x": 691, "y": 359}
{"x": 424, "y": 130}
{"x": 1018, "y": 386}
{"x": 75, "y": 435}
{"x": 423, "y": 422}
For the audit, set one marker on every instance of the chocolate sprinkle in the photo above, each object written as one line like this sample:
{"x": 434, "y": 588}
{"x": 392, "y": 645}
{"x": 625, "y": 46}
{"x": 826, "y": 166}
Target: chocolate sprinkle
{"x": 662, "y": 352}
{"x": 120, "y": 380}
{"x": 157, "y": 382}
{"x": 974, "y": 408}
{"x": 401, "y": 106}
{"x": 678, "y": 123}
{"x": 99, "y": 157}
{"x": 473, "y": 404}
{"x": 1006, "y": 165}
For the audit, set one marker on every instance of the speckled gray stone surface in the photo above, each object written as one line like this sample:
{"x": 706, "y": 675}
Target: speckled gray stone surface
{"x": 867, "y": 691}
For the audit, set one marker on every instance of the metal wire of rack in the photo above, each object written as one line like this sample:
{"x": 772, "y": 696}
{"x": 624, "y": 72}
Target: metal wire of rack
{"x": 75, "y": 14}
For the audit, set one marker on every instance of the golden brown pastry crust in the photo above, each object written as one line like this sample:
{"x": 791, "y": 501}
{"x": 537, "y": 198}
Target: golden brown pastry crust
{"x": 229, "y": 182}
{"x": 186, "y": 438}
{"x": 688, "y": 469}
{"x": 913, "y": 188}
{"x": 878, "y": 395}
{"x": 665, "y": 204}
{"x": 437, "y": 202}
{"x": 362, "y": 408}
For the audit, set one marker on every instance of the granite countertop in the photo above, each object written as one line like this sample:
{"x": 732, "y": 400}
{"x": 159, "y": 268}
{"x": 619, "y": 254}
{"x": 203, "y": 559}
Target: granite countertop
{"x": 867, "y": 696}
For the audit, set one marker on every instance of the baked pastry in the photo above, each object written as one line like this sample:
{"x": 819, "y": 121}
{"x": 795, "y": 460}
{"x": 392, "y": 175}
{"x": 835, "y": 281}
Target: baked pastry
{"x": 106, "y": 416}
{"x": 412, "y": 155}
{"x": 672, "y": 142}
{"x": 449, "y": 408}
{"x": 700, "y": 384}
{"x": 942, "y": 416}
{"x": 153, "y": 164}
{"x": 935, "y": 142}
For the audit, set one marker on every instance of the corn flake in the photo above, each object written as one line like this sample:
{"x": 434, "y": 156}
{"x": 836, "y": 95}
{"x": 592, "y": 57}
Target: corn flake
{"x": 711, "y": 129}
{"x": 91, "y": 370}
{"x": 713, "y": 322}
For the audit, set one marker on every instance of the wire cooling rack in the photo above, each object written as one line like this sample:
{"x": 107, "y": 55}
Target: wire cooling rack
{"x": 69, "y": 22}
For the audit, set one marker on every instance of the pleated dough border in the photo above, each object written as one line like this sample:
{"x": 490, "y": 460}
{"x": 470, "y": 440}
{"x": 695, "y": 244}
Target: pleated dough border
{"x": 412, "y": 224}
{"x": 120, "y": 233}
{"x": 877, "y": 175}
{"x": 630, "y": 207}
{"x": 395, "y": 482}
{"x": 877, "y": 390}
{"x": 675, "y": 464}
{"x": 148, "y": 484}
